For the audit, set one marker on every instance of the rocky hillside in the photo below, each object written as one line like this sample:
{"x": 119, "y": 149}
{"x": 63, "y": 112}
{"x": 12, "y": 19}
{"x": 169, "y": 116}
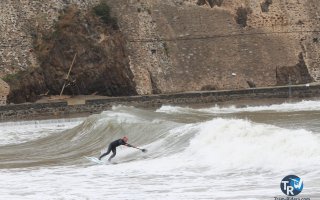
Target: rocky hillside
{"x": 98, "y": 48}
{"x": 158, "y": 46}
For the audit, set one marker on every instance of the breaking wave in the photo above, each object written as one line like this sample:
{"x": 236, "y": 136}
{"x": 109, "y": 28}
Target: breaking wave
{"x": 216, "y": 144}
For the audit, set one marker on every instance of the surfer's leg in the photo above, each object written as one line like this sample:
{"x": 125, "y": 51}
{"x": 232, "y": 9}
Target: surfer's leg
{"x": 106, "y": 153}
{"x": 114, "y": 152}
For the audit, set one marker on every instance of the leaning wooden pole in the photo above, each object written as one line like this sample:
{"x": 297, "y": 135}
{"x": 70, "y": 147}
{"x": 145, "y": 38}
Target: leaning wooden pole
{"x": 64, "y": 85}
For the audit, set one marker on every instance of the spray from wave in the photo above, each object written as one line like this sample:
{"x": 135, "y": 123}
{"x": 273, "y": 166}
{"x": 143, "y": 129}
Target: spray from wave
{"x": 284, "y": 107}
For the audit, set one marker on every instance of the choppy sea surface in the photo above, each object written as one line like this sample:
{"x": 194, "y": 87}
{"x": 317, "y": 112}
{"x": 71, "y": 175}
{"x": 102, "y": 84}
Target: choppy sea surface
{"x": 204, "y": 153}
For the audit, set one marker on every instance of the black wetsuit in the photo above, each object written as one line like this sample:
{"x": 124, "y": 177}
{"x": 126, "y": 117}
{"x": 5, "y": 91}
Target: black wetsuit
{"x": 112, "y": 147}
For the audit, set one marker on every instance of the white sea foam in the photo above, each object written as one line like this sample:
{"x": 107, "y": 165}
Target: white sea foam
{"x": 235, "y": 144}
{"x": 23, "y": 131}
{"x": 284, "y": 107}
{"x": 216, "y": 158}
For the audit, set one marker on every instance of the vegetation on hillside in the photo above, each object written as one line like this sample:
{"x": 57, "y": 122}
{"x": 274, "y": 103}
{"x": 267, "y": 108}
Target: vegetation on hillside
{"x": 103, "y": 11}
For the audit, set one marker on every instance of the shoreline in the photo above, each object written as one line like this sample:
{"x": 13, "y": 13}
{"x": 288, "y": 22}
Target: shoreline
{"x": 83, "y": 106}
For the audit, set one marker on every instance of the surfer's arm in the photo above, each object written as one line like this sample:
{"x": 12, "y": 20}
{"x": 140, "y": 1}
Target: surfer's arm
{"x": 129, "y": 145}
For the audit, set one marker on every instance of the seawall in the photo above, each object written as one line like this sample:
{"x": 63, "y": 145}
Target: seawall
{"x": 62, "y": 109}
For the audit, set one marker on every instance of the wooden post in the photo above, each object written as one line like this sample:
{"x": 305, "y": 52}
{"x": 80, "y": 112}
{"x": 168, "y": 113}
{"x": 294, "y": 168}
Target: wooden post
{"x": 64, "y": 85}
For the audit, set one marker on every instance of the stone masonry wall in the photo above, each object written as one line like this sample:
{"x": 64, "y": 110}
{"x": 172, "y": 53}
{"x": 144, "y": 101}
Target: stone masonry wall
{"x": 177, "y": 45}
{"x": 62, "y": 109}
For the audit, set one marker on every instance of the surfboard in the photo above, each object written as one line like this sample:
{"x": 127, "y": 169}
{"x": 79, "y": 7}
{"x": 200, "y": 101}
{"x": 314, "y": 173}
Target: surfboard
{"x": 100, "y": 162}
{"x": 95, "y": 160}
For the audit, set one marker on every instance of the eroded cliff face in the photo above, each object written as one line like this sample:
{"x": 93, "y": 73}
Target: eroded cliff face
{"x": 186, "y": 45}
{"x": 101, "y": 65}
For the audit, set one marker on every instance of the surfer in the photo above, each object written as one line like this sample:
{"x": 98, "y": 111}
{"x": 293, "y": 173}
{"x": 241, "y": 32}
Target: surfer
{"x": 113, "y": 145}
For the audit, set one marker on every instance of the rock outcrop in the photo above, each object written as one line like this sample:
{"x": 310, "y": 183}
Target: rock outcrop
{"x": 4, "y": 91}
{"x": 101, "y": 65}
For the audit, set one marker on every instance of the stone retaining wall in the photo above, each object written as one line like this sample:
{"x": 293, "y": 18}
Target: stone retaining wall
{"x": 62, "y": 109}
{"x": 176, "y": 45}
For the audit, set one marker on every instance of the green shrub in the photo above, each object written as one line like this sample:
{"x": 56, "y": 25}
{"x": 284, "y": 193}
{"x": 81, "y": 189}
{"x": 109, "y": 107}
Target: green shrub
{"x": 103, "y": 11}
{"x": 13, "y": 77}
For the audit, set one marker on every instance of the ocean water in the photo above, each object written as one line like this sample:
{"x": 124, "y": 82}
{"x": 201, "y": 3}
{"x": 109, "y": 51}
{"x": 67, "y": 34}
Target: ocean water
{"x": 206, "y": 153}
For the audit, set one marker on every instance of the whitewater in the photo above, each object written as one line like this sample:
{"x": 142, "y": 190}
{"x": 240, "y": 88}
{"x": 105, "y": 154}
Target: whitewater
{"x": 211, "y": 152}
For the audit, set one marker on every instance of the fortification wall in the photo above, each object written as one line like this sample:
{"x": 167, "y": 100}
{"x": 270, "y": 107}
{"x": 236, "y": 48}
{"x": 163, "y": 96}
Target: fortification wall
{"x": 179, "y": 45}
